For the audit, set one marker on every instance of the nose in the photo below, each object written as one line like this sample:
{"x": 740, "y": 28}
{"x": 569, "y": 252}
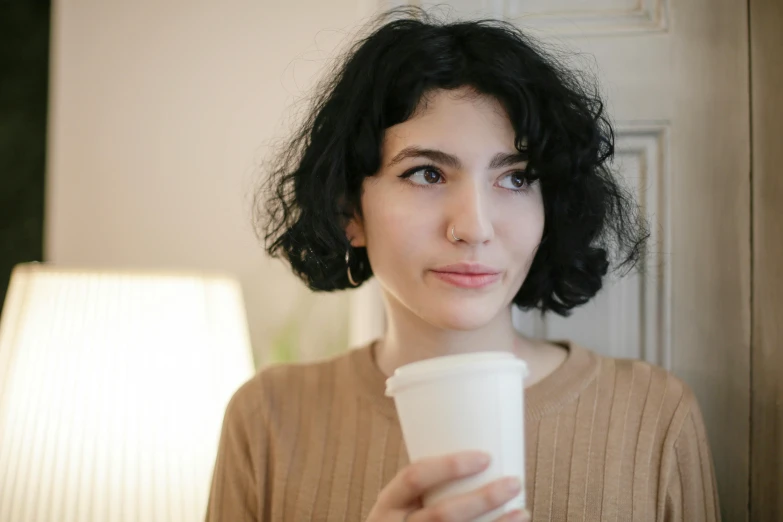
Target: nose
{"x": 470, "y": 214}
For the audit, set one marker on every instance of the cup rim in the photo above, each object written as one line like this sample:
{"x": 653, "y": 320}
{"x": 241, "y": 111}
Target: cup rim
{"x": 460, "y": 364}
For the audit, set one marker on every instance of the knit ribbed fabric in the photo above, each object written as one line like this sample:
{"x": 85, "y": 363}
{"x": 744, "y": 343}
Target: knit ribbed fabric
{"x": 606, "y": 440}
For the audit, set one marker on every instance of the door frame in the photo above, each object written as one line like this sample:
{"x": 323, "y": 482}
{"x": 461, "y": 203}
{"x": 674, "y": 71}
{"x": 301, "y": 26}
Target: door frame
{"x": 766, "y": 80}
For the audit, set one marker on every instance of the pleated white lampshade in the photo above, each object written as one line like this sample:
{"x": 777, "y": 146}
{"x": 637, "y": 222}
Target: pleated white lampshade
{"x": 113, "y": 387}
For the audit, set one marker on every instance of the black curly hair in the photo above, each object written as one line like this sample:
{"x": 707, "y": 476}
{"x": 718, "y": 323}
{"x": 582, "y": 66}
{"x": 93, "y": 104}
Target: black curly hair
{"x": 315, "y": 179}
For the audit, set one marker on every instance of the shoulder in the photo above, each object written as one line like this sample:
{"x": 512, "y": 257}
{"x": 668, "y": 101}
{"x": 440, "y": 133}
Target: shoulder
{"x": 660, "y": 412}
{"x": 286, "y": 384}
{"x": 644, "y": 377}
{"x": 649, "y": 391}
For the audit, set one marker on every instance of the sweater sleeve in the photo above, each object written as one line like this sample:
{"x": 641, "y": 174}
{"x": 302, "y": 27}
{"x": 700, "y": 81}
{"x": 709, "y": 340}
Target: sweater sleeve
{"x": 237, "y": 489}
{"x": 692, "y": 494}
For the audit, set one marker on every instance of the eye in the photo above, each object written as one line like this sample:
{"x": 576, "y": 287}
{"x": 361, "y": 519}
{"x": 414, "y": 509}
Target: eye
{"x": 424, "y": 176}
{"x": 516, "y": 181}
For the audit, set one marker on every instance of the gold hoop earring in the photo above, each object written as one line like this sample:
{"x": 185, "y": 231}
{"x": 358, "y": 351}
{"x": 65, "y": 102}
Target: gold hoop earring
{"x": 348, "y": 263}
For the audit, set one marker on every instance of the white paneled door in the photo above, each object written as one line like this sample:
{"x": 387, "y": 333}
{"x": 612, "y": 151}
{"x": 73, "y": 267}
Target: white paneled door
{"x": 675, "y": 74}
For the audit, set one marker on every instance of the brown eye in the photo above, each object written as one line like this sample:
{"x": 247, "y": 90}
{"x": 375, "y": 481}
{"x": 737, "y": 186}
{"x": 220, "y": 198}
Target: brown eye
{"x": 430, "y": 176}
{"x": 518, "y": 180}
{"x": 424, "y": 176}
{"x": 514, "y": 181}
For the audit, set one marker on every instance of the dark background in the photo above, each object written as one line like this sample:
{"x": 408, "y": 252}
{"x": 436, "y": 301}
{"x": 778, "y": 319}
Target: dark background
{"x": 24, "y": 78}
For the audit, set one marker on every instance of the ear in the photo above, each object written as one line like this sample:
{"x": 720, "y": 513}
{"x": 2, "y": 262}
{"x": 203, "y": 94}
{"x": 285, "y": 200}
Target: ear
{"x": 354, "y": 230}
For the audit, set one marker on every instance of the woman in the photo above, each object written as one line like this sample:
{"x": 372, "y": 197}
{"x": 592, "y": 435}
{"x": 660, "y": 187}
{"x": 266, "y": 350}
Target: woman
{"x": 468, "y": 172}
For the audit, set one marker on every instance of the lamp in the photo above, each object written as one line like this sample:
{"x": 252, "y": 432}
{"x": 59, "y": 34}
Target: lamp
{"x": 113, "y": 387}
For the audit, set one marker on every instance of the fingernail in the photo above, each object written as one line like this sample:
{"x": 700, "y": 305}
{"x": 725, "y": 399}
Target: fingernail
{"x": 480, "y": 459}
{"x": 512, "y": 484}
{"x": 519, "y": 516}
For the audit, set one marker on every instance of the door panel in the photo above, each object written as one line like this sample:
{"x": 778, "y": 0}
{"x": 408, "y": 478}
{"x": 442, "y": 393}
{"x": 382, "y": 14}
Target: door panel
{"x": 630, "y": 316}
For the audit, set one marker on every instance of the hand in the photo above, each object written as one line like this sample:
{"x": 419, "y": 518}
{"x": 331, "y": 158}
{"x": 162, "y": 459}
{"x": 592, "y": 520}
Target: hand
{"x": 400, "y": 500}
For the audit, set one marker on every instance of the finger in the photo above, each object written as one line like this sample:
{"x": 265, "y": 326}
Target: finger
{"x": 518, "y": 515}
{"x": 417, "y": 478}
{"x": 470, "y": 506}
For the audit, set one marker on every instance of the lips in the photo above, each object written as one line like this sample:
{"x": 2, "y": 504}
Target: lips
{"x": 467, "y": 275}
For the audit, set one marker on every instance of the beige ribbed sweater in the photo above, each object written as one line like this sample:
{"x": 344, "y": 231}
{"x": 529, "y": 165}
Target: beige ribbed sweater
{"x": 607, "y": 439}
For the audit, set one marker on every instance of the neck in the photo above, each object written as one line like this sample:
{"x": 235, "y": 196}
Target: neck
{"x": 408, "y": 338}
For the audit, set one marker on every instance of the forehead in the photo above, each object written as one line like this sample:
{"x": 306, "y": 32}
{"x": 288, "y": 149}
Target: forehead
{"x": 461, "y": 120}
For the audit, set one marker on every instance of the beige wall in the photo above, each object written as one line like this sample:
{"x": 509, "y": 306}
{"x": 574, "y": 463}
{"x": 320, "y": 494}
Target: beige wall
{"x": 160, "y": 114}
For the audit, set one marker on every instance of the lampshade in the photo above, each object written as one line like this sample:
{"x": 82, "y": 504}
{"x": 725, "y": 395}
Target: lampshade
{"x": 113, "y": 387}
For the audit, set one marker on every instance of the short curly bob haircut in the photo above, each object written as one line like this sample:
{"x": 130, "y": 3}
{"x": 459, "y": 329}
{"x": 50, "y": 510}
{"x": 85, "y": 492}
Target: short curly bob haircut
{"x": 315, "y": 179}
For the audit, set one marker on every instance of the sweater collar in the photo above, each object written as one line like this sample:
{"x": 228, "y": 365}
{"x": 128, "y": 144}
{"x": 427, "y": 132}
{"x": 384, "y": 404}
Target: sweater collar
{"x": 545, "y": 397}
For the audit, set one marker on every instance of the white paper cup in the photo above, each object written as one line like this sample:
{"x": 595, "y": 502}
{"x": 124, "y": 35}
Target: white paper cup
{"x": 464, "y": 402}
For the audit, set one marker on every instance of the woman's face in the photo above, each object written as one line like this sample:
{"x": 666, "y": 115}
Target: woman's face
{"x": 452, "y": 165}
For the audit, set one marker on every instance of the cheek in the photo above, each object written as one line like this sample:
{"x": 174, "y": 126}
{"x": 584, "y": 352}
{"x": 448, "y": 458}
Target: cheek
{"x": 396, "y": 228}
{"x": 523, "y": 233}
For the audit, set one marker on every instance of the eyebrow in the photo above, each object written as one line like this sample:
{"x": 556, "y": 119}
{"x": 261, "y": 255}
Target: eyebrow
{"x": 499, "y": 160}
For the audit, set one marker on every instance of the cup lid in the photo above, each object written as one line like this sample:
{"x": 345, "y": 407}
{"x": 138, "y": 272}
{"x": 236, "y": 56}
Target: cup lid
{"x": 450, "y": 365}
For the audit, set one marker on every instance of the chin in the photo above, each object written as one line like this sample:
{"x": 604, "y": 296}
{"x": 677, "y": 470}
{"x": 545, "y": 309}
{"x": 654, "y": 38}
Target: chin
{"x": 462, "y": 316}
